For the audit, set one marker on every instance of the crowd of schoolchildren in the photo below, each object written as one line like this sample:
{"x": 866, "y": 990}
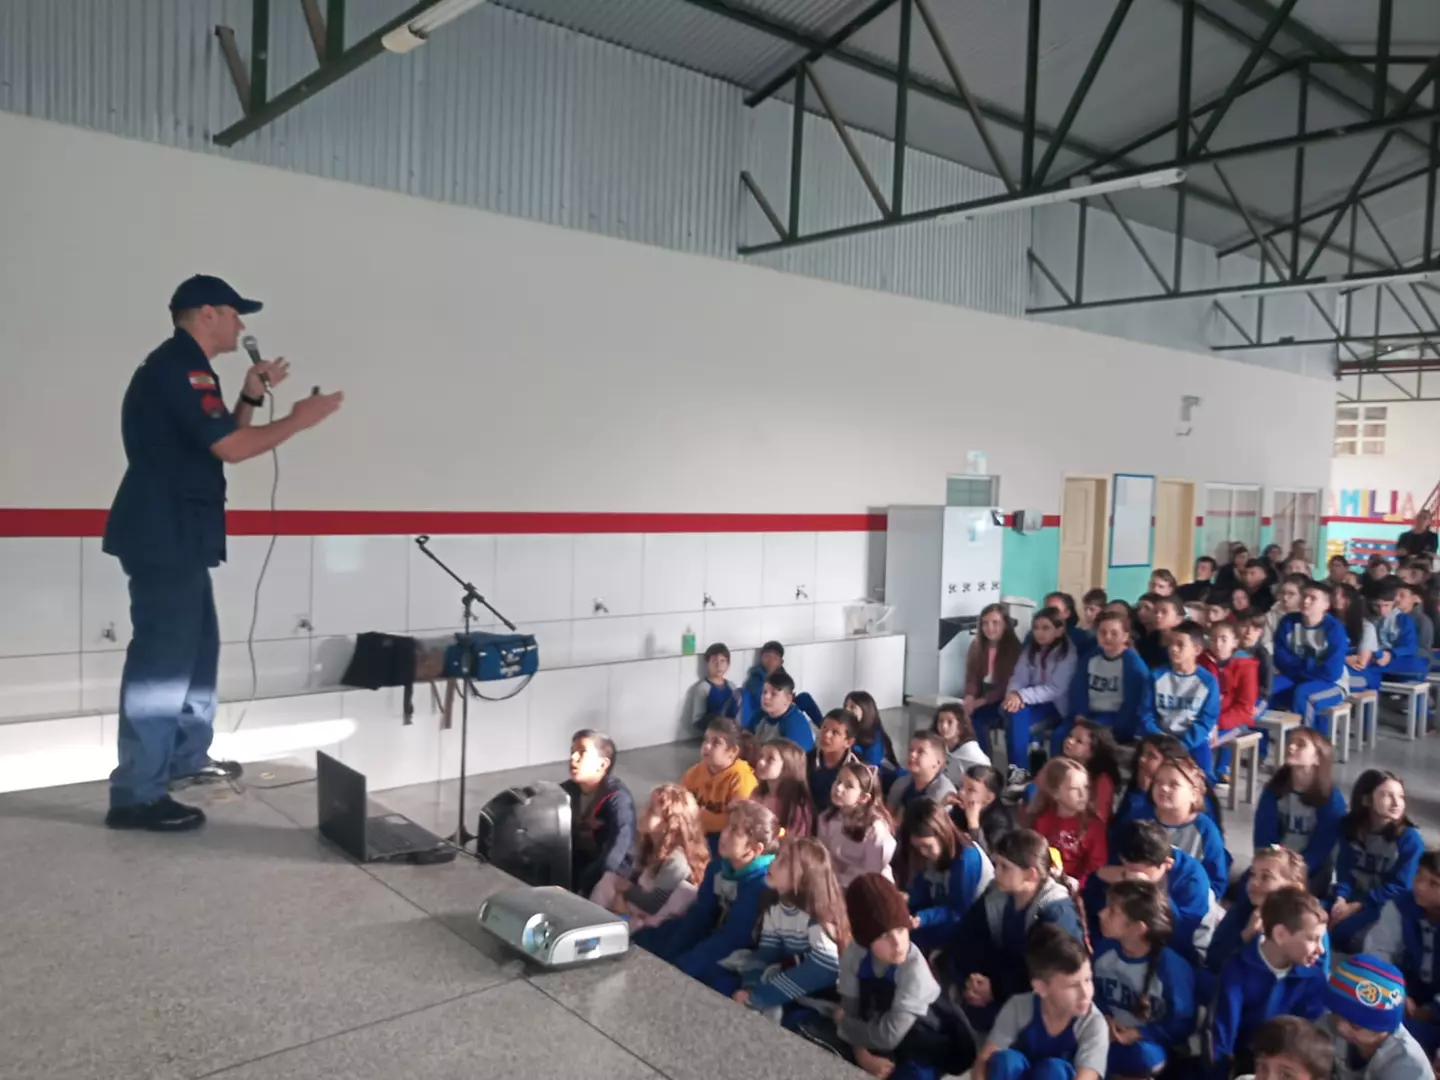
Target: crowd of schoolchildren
{"x": 930, "y": 914}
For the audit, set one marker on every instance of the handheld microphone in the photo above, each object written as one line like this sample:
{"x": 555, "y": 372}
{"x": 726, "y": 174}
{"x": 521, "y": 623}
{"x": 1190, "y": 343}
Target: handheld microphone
{"x": 252, "y": 346}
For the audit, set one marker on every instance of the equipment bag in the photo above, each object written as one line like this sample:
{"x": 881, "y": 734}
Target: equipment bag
{"x": 383, "y": 660}
{"x": 492, "y": 657}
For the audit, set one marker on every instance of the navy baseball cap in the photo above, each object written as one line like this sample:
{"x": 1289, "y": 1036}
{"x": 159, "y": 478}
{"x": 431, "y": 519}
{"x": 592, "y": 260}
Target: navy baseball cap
{"x": 204, "y": 290}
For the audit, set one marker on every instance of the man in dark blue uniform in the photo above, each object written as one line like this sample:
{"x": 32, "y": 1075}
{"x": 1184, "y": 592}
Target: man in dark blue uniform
{"x": 167, "y": 528}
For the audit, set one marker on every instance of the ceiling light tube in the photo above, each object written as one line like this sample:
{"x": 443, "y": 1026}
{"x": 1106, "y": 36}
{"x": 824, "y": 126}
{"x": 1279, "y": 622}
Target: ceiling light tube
{"x": 417, "y": 31}
{"x": 1159, "y": 179}
{"x": 1334, "y": 281}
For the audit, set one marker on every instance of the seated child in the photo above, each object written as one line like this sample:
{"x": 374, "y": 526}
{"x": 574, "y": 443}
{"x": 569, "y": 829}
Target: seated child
{"x": 1349, "y": 607}
{"x": 1239, "y": 679}
{"x": 887, "y": 993}
{"x": 1279, "y": 973}
{"x": 602, "y": 812}
{"x": 1062, "y": 814}
{"x": 1252, "y": 632}
{"x": 779, "y": 717}
{"x": 1054, "y": 1032}
{"x": 1145, "y": 990}
{"x": 1028, "y": 889}
{"x": 781, "y": 786}
{"x": 726, "y": 910}
{"x": 1407, "y": 935}
{"x": 1167, "y": 614}
{"x": 1289, "y": 1048}
{"x": 1178, "y": 803}
{"x": 943, "y": 872}
{"x": 1163, "y": 583}
{"x": 802, "y": 933}
{"x": 1039, "y": 692}
{"x": 989, "y": 664}
{"x": 1310, "y": 650}
{"x": 1081, "y": 639}
{"x": 1399, "y": 658}
{"x": 1201, "y": 583}
{"x": 1094, "y": 747}
{"x": 1287, "y": 602}
{"x": 1149, "y": 756}
{"x": 1092, "y": 606}
{"x": 856, "y": 829}
{"x": 1272, "y": 869}
{"x": 1144, "y": 853}
{"x": 770, "y": 660}
{"x": 961, "y": 748}
{"x": 833, "y": 748}
{"x": 1379, "y": 851}
{"x": 721, "y": 776}
{"x": 1218, "y": 608}
{"x": 714, "y": 695}
{"x": 1410, "y": 598}
{"x": 872, "y": 742}
{"x": 926, "y": 778}
{"x": 669, "y": 866}
{"x": 1110, "y": 686}
{"x": 1301, "y": 808}
{"x": 1366, "y": 1000}
{"x": 1186, "y": 698}
{"x": 978, "y": 809}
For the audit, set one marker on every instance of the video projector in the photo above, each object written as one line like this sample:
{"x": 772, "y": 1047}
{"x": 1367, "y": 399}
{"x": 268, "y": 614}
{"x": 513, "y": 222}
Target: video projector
{"x": 525, "y": 832}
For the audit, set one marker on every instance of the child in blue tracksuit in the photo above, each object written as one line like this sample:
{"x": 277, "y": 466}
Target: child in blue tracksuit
{"x": 1278, "y": 973}
{"x": 1146, "y": 989}
{"x": 714, "y": 695}
{"x": 1310, "y": 648}
{"x": 1301, "y": 808}
{"x": 1273, "y": 868}
{"x": 1055, "y": 1032}
{"x": 723, "y": 917}
{"x": 1379, "y": 851}
{"x": 1039, "y": 691}
{"x": 1177, "y": 802}
{"x": 945, "y": 873}
{"x": 1111, "y": 685}
{"x": 770, "y": 660}
{"x": 1398, "y": 657}
{"x": 1143, "y": 852}
{"x": 989, "y": 960}
{"x": 1185, "y": 699}
{"x": 779, "y": 717}
{"x": 1407, "y": 935}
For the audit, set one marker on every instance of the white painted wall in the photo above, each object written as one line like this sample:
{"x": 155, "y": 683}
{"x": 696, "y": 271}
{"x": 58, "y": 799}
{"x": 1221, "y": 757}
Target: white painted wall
{"x": 1408, "y": 470}
{"x": 493, "y": 363}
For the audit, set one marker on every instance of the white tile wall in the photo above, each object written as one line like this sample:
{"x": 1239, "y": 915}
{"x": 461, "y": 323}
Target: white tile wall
{"x": 645, "y": 702}
{"x": 359, "y": 583}
{"x": 562, "y": 702}
{"x": 61, "y": 596}
{"x": 498, "y": 734}
{"x": 609, "y": 568}
{"x": 388, "y": 751}
{"x": 829, "y": 671}
{"x": 788, "y": 575}
{"x": 39, "y": 620}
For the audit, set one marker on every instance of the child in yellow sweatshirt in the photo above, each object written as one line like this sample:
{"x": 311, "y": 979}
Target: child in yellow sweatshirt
{"x": 721, "y": 776}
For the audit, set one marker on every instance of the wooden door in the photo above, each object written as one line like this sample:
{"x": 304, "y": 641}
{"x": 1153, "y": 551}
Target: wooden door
{"x": 1081, "y": 535}
{"x": 1175, "y": 527}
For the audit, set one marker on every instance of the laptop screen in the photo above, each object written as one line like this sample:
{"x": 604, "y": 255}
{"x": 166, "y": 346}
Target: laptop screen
{"x": 340, "y": 804}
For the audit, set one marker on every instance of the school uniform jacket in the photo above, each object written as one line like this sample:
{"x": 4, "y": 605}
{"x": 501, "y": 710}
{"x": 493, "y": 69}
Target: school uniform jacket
{"x": 1121, "y": 984}
{"x": 1400, "y": 1057}
{"x": 1186, "y": 706}
{"x": 1201, "y": 840}
{"x": 721, "y": 920}
{"x": 1117, "y": 689}
{"x": 915, "y": 992}
{"x": 1193, "y": 907}
{"x": 994, "y": 931}
{"x": 940, "y": 898}
{"x": 1289, "y": 821}
{"x": 1311, "y": 653}
{"x": 1405, "y": 936}
{"x": 1377, "y": 869}
{"x": 793, "y": 725}
{"x": 1250, "y": 993}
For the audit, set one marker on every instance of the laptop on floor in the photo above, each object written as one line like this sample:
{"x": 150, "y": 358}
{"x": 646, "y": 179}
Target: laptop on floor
{"x": 346, "y": 822}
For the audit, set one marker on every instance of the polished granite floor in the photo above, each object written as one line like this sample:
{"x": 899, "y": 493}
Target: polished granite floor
{"x": 253, "y": 951}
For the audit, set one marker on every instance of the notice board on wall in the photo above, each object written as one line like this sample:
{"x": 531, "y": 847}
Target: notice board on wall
{"x": 1132, "y": 514}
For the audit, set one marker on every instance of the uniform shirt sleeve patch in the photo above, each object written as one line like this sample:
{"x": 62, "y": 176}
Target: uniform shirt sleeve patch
{"x": 212, "y": 406}
{"x": 202, "y": 380}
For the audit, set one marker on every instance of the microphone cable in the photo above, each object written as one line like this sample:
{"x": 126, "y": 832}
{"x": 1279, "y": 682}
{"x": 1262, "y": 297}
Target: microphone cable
{"x": 264, "y": 566}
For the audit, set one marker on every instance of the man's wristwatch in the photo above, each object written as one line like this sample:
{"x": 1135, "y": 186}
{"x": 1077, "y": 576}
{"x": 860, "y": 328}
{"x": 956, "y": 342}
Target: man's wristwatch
{"x": 253, "y": 402}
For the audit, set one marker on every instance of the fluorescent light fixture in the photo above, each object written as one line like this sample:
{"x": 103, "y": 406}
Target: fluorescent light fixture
{"x": 1334, "y": 281}
{"x": 1159, "y": 179}
{"x": 418, "y": 30}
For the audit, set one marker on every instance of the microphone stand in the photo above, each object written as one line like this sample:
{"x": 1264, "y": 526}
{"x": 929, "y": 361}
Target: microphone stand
{"x": 463, "y": 836}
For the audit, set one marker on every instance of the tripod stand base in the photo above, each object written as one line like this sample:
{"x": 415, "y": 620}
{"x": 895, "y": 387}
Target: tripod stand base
{"x": 462, "y": 838}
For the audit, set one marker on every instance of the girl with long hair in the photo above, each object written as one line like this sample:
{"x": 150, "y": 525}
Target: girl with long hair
{"x": 872, "y": 742}
{"x": 1039, "y": 691}
{"x": 1379, "y": 851}
{"x": 670, "y": 863}
{"x": 857, "y": 829}
{"x": 1301, "y": 808}
{"x": 943, "y": 872}
{"x": 988, "y": 666}
{"x": 1061, "y": 813}
{"x": 783, "y": 774}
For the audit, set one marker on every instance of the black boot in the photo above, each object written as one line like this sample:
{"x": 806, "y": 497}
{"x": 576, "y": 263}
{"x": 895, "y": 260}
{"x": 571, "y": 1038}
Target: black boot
{"x": 162, "y": 815}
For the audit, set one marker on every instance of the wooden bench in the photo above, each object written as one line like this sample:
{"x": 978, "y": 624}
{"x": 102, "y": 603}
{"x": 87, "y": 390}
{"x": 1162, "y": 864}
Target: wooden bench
{"x": 1278, "y": 725}
{"x": 1417, "y": 704}
{"x": 1339, "y": 717}
{"x": 1242, "y": 747}
{"x": 1367, "y": 716}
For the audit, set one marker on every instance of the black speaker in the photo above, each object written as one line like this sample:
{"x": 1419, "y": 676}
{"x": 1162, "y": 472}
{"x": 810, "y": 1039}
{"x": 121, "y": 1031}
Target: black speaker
{"x": 525, "y": 831}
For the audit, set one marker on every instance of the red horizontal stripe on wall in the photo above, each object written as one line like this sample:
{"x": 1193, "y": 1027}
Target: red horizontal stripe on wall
{"x": 1264, "y": 521}
{"x": 1199, "y": 521}
{"x": 41, "y": 522}
{"x": 1048, "y": 521}
{"x": 1397, "y": 522}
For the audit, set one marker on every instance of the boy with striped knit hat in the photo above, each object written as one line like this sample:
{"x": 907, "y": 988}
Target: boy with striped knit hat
{"x": 1366, "y": 999}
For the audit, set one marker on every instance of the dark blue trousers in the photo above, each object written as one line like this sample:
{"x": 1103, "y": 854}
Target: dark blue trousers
{"x": 167, "y": 691}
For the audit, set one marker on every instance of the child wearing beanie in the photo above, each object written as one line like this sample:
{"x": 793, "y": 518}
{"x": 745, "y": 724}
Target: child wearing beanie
{"x": 1366, "y": 999}
{"x": 888, "y": 993}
